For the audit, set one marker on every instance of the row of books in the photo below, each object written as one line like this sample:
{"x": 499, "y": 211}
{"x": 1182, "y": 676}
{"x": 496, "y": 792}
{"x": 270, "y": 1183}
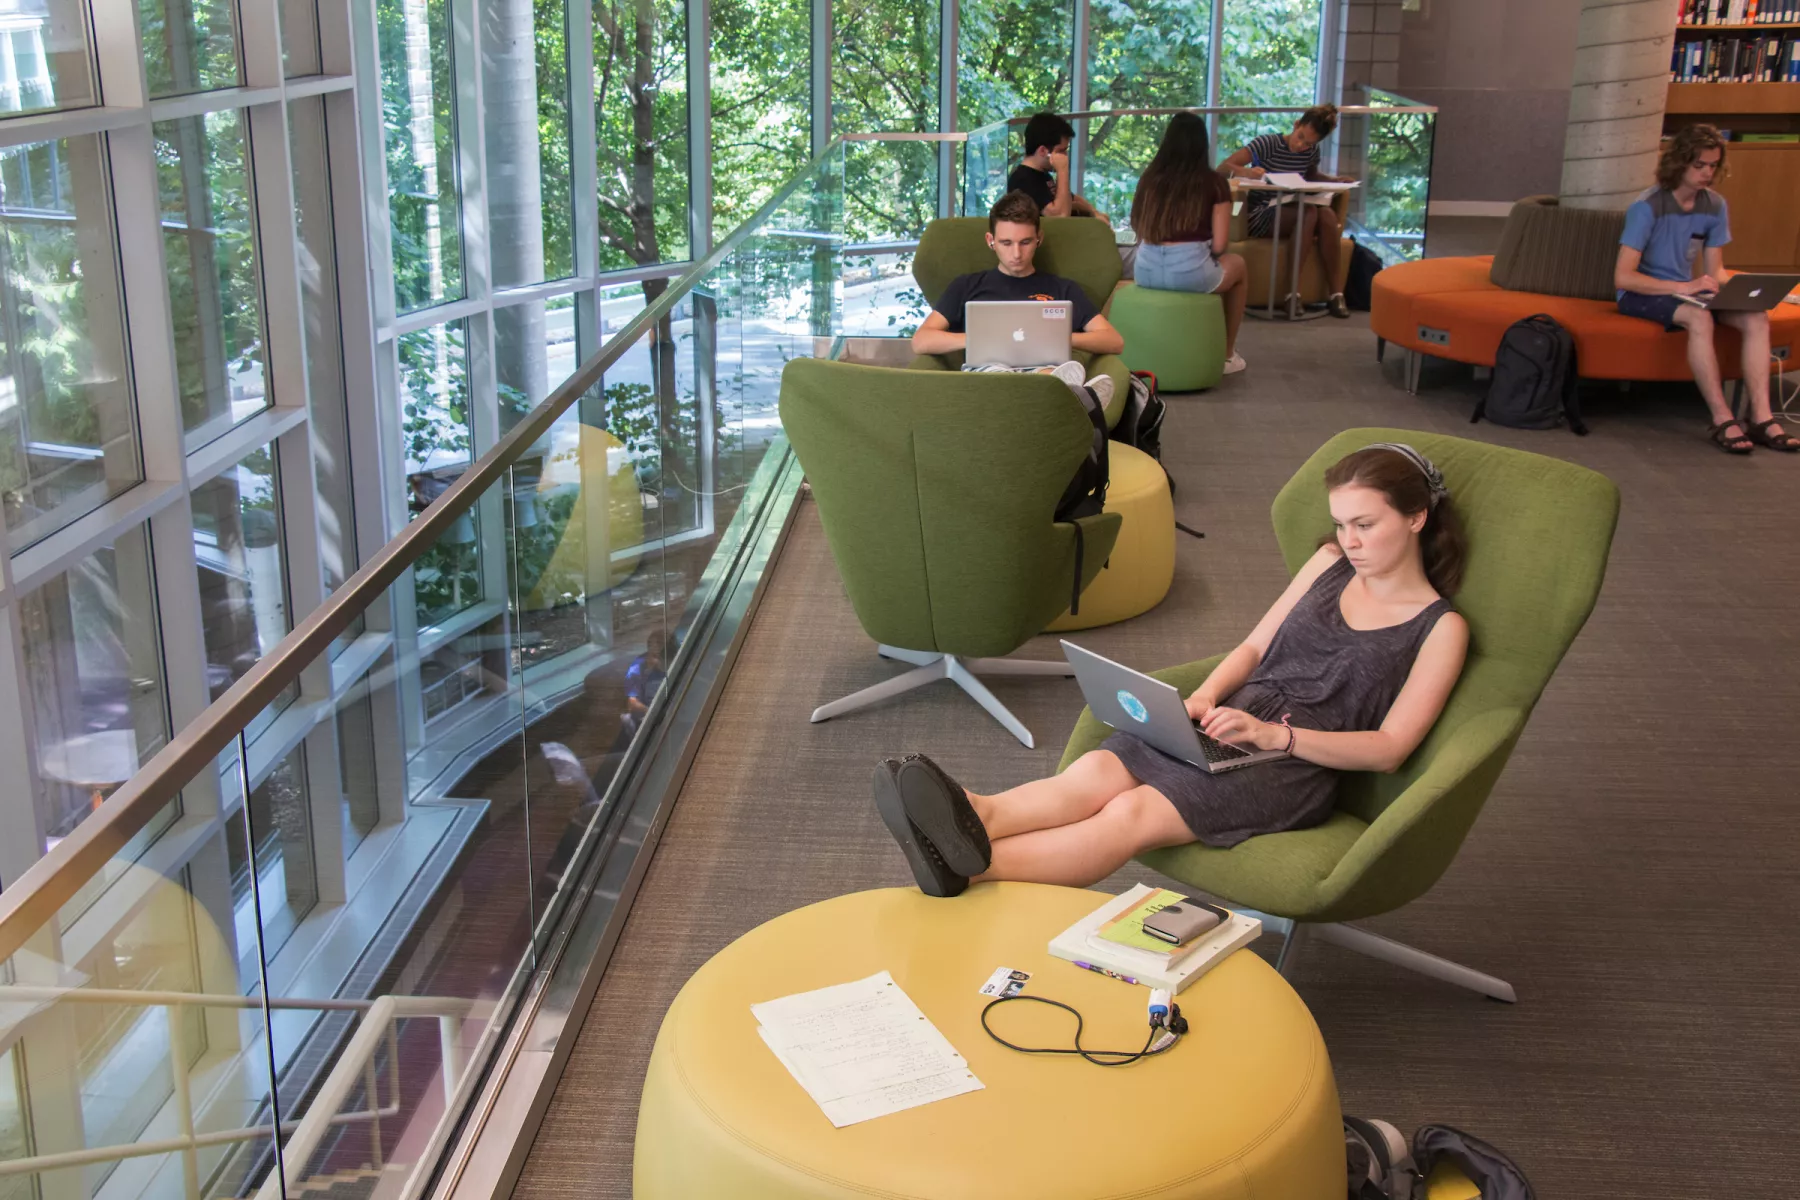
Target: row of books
{"x": 1739, "y": 12}
{"x": 1766, "y": 59}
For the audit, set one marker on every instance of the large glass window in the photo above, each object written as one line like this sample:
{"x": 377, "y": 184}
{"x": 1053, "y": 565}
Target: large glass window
{"x": 761, "y": 103}
{"x": 95, "y": 679}
{"x": 1014, "y": 58}
{"x": 67, "y": 441}
{"x": 189, "y": 45}
{"x": 271, "y": 840}
{"x": 525, "y": 116}
{"x": 640, "y": 112}
{"x": 418, "y": 114}
{"x": 1268, "y": 57}
{"x": 44, "y": 61}
{"x": 243, "y": 582}
{"x": 1142, "y": 54}
{"x": 884, "y": 78}
{"x": 209, "y": 250}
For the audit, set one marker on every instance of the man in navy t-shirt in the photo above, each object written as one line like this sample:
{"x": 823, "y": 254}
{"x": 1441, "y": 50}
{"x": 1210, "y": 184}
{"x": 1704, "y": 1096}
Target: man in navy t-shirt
{"x": 1669, "y": 229}
{"x": 1044, "y": 173}
{"x": 1014, "y": 235}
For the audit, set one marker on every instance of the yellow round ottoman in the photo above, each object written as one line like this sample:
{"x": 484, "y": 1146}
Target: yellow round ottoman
{"x": 1142, "y": 566}
{"x": 1244, "y": 1106}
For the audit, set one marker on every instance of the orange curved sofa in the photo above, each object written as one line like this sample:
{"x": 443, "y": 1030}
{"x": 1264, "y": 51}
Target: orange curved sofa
{"x": 1455, "y": 298}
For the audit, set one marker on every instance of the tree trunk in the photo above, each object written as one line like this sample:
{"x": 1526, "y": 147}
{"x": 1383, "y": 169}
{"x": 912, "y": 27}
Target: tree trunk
{"x": 515, "y": 195}
{"x": 1621, "y": 82}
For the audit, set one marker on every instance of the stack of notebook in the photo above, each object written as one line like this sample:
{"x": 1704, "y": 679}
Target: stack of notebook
{"x": 1112, "y": 937}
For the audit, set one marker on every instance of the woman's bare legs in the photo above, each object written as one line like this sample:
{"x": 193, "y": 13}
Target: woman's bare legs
{"x": 1089, "y": 850}
{"x": 1075, "y": 795}
{"x": 1234, "y": 290}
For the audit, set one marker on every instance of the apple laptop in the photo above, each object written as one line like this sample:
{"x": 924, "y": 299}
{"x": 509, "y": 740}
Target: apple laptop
{"x": 1134, "y": 703}
{"x": 1745, "y": 292}
{"x": 1017, "y": 333}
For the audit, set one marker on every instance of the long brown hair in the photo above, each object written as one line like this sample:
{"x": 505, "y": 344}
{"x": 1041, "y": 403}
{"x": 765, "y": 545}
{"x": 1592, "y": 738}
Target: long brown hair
{"x": 1680, "y": 151}
{"x": 1441, "y": 542}
{"x": 1176, "y": 193}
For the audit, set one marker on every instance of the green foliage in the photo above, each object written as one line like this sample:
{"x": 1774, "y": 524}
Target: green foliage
{"x": 1014, "y": 59}
{"x": 434, "y": 387}
{"x": 1269, "y": 58}
{"x": 1144, "y": 54}
{"x": 423, "y": 200}
{"x": 761, "y": 103}
{"x": 884, "y": 78}
{"x": 551, "y": 23}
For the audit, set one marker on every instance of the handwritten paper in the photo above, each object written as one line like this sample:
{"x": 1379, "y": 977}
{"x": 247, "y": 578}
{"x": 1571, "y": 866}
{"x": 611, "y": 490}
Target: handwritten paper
{"x": 862, "y": 1049}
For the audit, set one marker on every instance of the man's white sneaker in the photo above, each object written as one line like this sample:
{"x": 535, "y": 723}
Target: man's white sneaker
{"x": 1102, "y": 386}
{"x": 1235, "y": 363}
{"x": 1071, "y": 373}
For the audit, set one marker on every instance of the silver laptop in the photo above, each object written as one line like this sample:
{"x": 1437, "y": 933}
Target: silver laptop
{"x": 1017, "y": 333}
{"x": 1134, "y": 703}
{"x": 1747, "y": 293}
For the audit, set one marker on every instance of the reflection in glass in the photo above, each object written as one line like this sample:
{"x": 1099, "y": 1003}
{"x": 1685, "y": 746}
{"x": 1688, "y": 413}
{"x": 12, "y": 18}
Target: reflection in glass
{"x": 761, "y": 102}
{"x": 44, "y": 61}
{"x": 534, "y": 351}
{"x": 1014, "y": 59}
{"x": 271, "y": 838}
{"x": 95, "y": 679}
{"x": 525, "y": 112}
{"x": 358, "y": 776}
{"x": 643, "y": 180}
{"x": 438, "y": 445}
{"x": 419, "y": 119}
{"x": 1142, "y": 54}
{"x": 209, "y": 250}
{"x": 1269, "y": 58}
{"x": 243, "y": 588}
{"x": 189, "y": 45}
{"x": 67, "y": 441}
{"x": 299, "y": 37}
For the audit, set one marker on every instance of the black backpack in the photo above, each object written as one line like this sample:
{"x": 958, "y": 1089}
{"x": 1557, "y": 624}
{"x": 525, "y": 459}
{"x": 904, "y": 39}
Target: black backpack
{"x": 1086, "y": 494}
{"x": 1534, "y": 378}
{"x": 1141, "y": 424}
{"x": 1359, "y": 285}
{"x": 1380, "y": 1165}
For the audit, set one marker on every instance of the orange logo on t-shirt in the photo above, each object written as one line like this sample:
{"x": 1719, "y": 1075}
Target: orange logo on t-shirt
{"x": 1040, "y": 296}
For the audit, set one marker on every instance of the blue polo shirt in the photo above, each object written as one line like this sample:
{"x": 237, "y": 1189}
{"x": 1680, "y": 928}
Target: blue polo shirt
{"x": 1670, "y": 238}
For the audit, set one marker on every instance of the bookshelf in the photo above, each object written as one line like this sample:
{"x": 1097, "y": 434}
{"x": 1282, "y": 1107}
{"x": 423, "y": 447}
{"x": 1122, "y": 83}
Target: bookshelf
{"x": 1763, "y": 177}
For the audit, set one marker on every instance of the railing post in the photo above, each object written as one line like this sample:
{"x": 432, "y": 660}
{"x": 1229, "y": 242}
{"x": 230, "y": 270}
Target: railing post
{"x": 184, "y": 1100}
{"x": 450, "y": 1052}
{"x": 371, "y": 1086}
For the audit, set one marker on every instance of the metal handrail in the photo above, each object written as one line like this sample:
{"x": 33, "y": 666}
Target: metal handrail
{"x": 30, "y": 902}
{"x": 1225, "y": 109}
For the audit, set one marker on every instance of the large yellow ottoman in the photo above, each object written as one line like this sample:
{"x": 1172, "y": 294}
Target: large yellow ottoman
{"x": 1245, "y": 1106}
{"x": 1142, "y": 566}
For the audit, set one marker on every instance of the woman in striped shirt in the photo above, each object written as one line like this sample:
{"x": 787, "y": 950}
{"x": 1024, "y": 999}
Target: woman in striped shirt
{"x": 1296, "y": 152}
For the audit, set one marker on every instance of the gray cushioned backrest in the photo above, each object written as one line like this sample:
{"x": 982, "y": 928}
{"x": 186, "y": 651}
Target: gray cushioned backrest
{"x": 1558, "y": 251}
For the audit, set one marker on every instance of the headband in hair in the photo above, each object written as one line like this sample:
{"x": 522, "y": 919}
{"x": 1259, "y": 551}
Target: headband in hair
{"x": 1434, "y": 478}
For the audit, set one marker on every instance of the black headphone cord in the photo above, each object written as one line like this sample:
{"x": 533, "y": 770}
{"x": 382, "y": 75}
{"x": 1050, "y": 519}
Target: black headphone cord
{"x": 1119, "y": 1058}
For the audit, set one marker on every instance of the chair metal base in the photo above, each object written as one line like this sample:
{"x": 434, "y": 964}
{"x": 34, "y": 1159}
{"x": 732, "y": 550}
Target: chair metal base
{"x": 930, "y": 667}
{"x": 1297, "y": 933}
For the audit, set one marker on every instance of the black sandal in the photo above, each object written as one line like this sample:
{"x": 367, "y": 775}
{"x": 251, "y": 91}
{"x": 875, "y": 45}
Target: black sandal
{"x": 1784, "y": 441}
{"x": 1741, "y": 444}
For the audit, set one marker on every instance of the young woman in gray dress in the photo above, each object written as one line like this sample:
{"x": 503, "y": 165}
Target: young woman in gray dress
{"x": 1347, "y": 671}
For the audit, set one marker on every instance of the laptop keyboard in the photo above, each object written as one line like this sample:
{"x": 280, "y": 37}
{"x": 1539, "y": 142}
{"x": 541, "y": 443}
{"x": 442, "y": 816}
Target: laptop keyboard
{"x": 1215, "y": 750}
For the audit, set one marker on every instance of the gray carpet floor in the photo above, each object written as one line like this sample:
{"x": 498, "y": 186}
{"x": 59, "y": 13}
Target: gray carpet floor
{"x": 1633, "y": 875}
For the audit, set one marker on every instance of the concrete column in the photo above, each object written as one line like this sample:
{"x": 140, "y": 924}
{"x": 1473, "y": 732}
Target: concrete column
{"x": 1616, "y": 102}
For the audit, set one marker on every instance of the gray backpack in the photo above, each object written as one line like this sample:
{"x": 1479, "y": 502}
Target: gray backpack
{"x": 1379, "y": 1165}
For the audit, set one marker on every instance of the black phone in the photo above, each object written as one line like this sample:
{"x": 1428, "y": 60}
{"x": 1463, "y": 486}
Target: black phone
{"x": 1182, "y": 922}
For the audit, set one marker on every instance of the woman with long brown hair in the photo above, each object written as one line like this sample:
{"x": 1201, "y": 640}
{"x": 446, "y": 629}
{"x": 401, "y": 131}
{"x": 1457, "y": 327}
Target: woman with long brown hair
{"x": 1348, "y": 671}
{"x": 1181, "y": 213}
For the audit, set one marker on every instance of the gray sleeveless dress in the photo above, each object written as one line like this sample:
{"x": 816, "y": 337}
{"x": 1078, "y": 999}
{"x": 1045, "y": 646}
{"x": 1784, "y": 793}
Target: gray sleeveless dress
{"x": 1321, "y": 674}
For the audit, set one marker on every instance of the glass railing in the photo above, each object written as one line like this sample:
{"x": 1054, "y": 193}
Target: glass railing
{"x": 1385, "y": 144}
{"x": 232, "y": 980}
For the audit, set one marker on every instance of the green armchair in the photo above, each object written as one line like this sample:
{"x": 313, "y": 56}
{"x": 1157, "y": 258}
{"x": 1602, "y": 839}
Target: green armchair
{"x": 1539, "y": 533}
{"x": 1077, "y": 248}
{"x": 937, "y": 504}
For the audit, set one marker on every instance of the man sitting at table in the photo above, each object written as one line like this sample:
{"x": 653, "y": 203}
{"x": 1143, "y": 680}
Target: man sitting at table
{"x": 1014, "y": 234}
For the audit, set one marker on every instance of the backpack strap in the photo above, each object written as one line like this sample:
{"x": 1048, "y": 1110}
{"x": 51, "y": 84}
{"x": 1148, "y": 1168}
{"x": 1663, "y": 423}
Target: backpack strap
{"x": 1075, "y": 590}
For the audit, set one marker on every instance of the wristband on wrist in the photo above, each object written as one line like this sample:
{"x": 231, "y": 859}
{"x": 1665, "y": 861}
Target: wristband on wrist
{"x": 1289, "y": 748}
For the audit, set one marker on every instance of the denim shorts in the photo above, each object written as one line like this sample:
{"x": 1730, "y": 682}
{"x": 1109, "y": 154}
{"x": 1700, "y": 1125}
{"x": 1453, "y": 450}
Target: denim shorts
{"x": 1661, "y": 309}
{"x": 1178, "y": 267}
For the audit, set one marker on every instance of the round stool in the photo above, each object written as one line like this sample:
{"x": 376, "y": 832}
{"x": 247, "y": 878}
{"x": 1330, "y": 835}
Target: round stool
{"x": 1244, "y": 1105}
{"x": 1177, "y": 336}
{"x": 1141, "y": 567}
